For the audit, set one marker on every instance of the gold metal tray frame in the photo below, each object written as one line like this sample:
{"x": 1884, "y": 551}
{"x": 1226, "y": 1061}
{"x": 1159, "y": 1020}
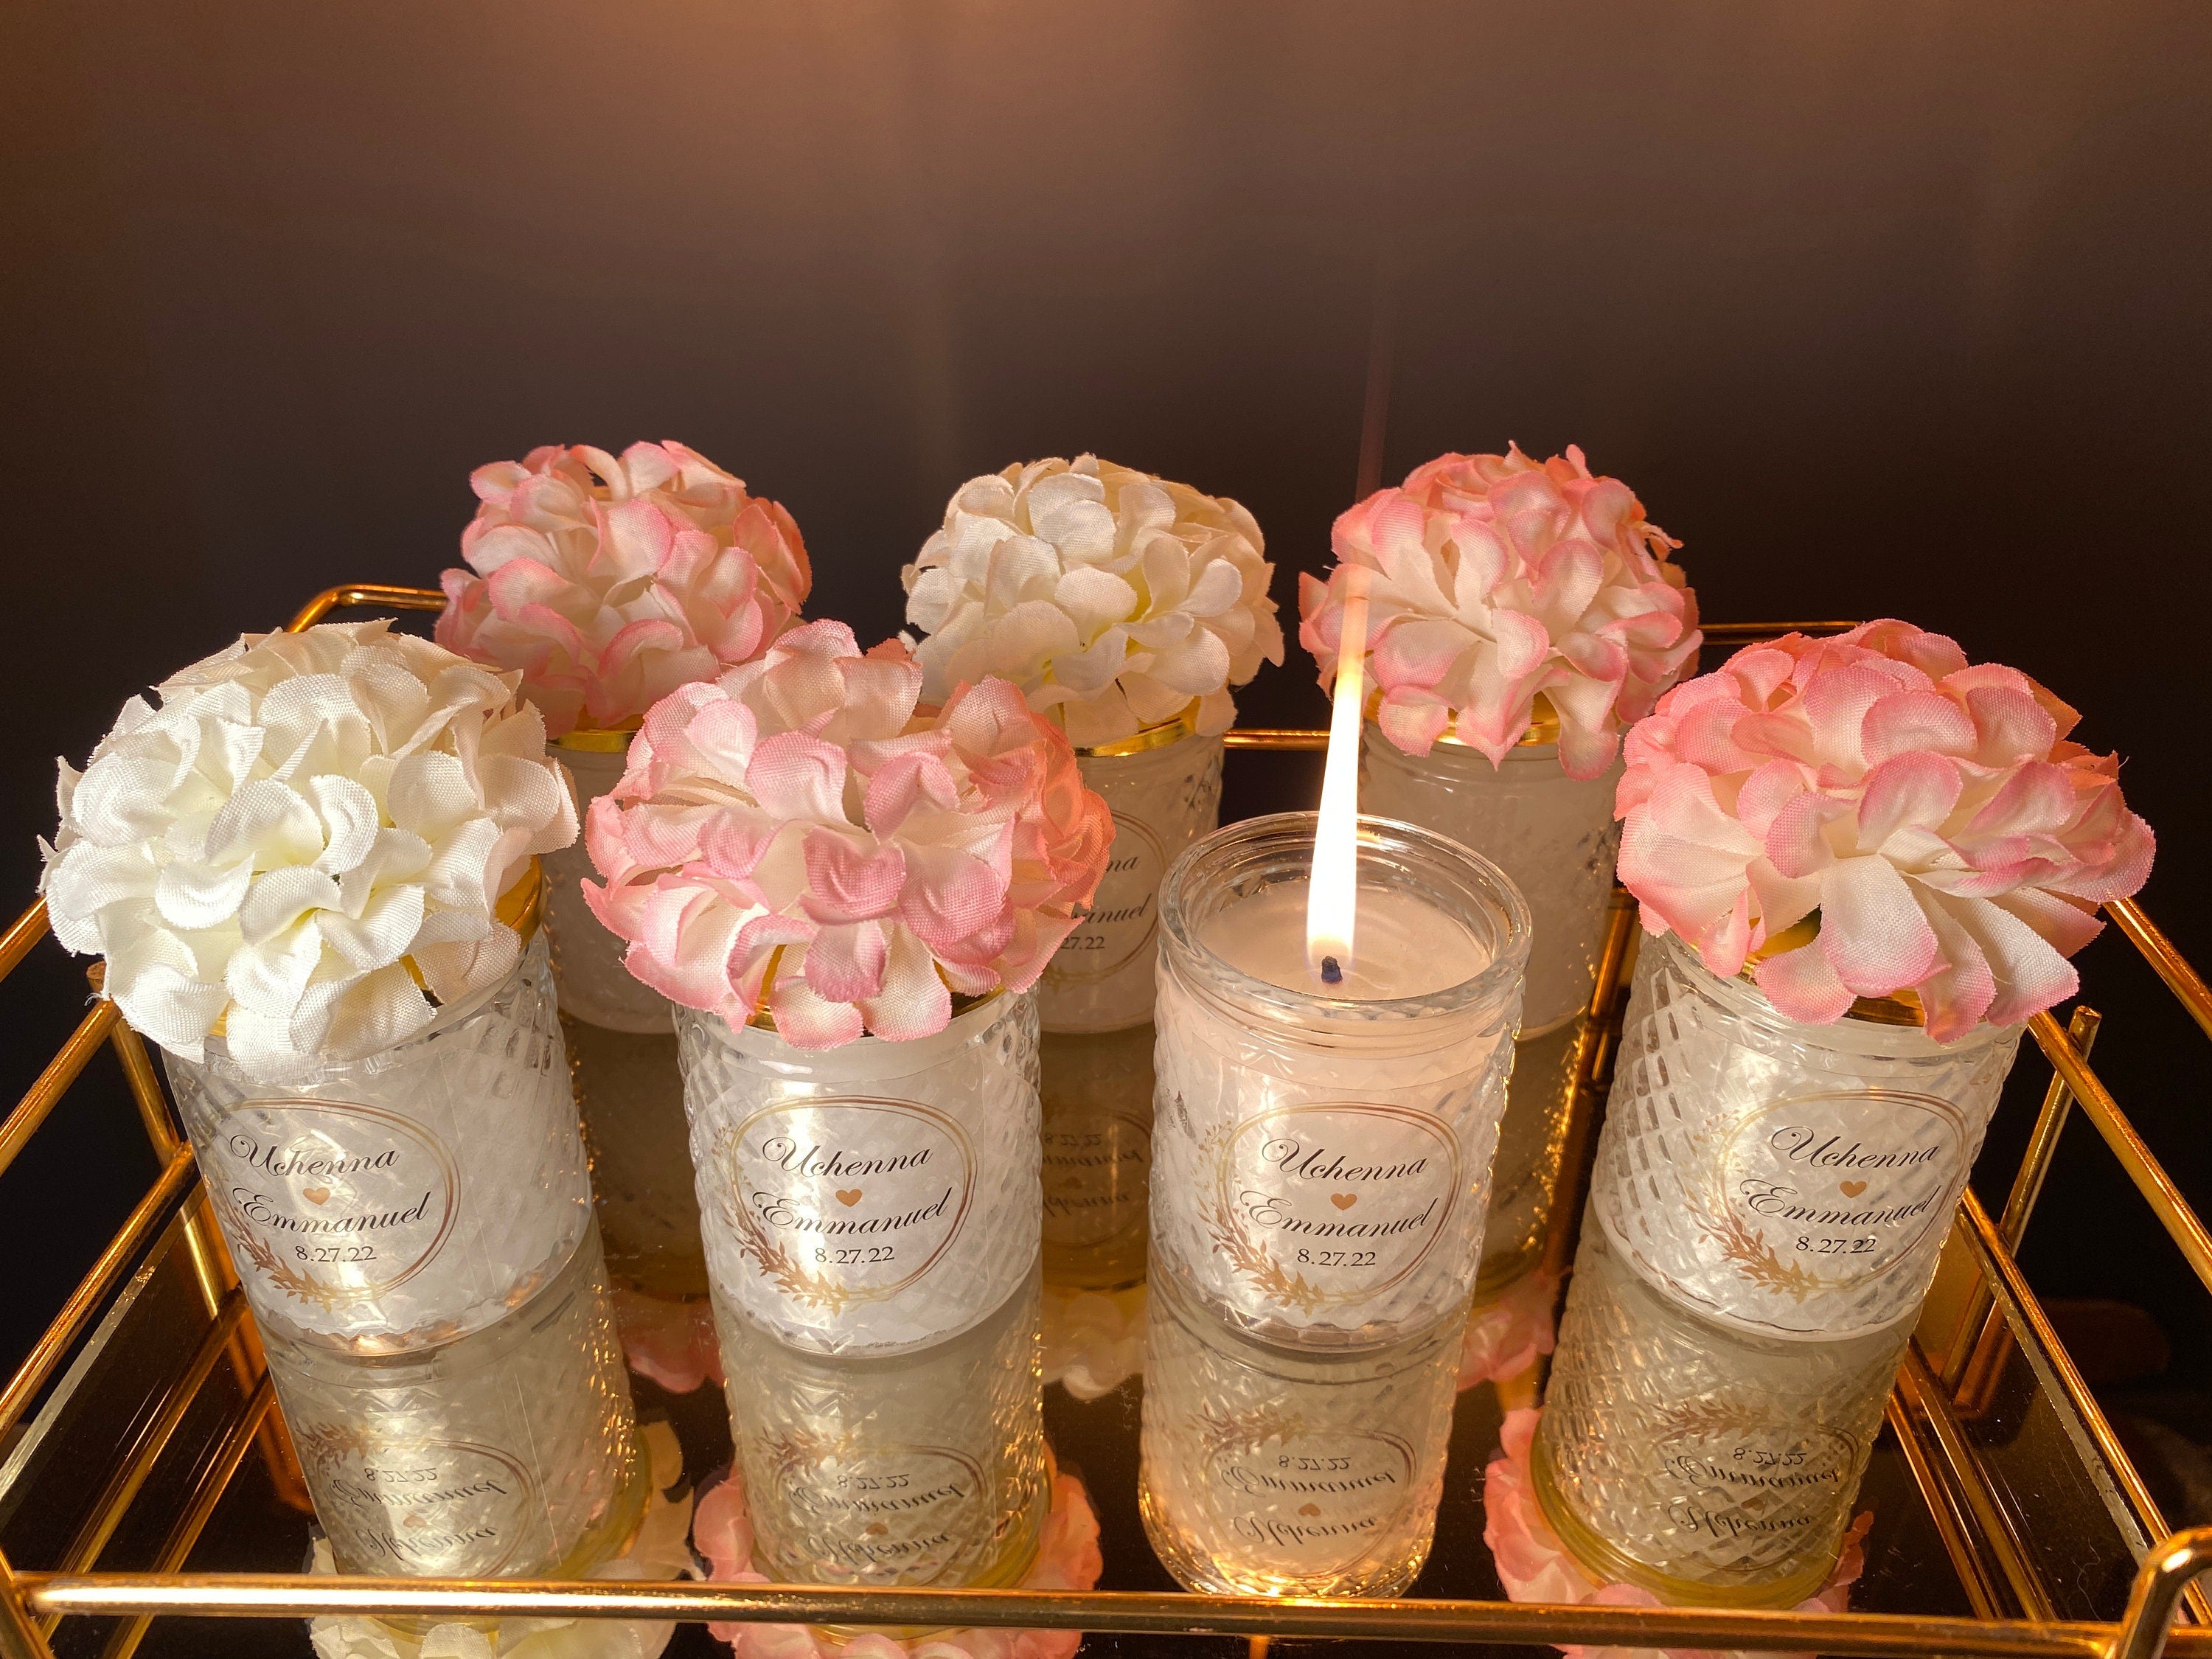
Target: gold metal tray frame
{"x": 1982, "y": 1304}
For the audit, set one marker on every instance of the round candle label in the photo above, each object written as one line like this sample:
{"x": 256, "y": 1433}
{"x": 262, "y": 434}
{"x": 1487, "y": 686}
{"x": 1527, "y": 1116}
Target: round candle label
{"x": 1317, "y": 1206}
{"x": 910, "y": 1514}
{"x": 1735, "y": 1474}
{"x": 846, "y": 1198}
{"x": 1310, "y": 1503}
{"x": 418, "y": 1506}
{"x": 1097, "y": 1168}
{"x": 328, "y": 1202}
{"x": 1823, "y": 1192}
{"x": 1124, "y": 915}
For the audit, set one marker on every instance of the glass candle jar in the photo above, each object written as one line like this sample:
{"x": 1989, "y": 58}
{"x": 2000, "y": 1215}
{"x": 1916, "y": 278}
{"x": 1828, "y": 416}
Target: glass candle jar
{"x": 1097, "y": 1169}
{"x": 402, "y": 1200}
{"x": 869, "y": 1197}
{"x": 1322, "y": 1161}
{"x": 1164, "y": 787}
{"x": 1709, "y": 1465}
{"x": 595, "y": 987}
{"x": 922, "y": 1469}
{"x": 1783, "y": 1177}
{"x": 509, "y": 1453}
{"x": 1557, "y": 838}
{"x": 1270, "y": 1472}
{"x": 621, "y": 1046}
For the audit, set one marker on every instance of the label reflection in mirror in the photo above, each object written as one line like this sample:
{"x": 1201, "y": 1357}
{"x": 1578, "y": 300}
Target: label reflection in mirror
{"x": 504, "y": 1454}
{"x": 926, "y": 1467}
{"x": 1705, "y": 1464}
{"x": 1274, "y": 1472}
{"x": 1098, "y": 1164}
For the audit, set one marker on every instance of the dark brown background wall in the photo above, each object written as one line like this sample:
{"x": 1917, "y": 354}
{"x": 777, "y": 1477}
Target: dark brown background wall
{"x": 1882, "y": 307}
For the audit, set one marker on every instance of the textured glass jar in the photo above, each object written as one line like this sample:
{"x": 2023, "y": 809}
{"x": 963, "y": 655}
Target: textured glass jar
{"x": 1322, "y": 1164}
{"x": 509, "y": 1453}
{"x": 1165, "y": 792}
{"x": 1707, "y": 1465}
{"x": 1556, "y": 836}
{"x": 1268, "y": 1472}
{"x": 1097, "y": 1170}
{"x": 622, "y": 1046}
{"x": 920, "y": 1468}
{"x": 1786, "y": 1178}
{"x": 410, "y": 1197}
{"x": 869, "y": 1197}
{"x": 586, "y": 956}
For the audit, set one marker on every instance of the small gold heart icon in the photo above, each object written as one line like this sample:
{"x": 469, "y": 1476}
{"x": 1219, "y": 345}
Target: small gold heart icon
{"x": 1309, "y": 1509}
{"x": 1853, "y": 1188}
{"x": 1344, "y": 1200}
{"x": 416, "y": 1522}
{"x": 316, "y": 1194}
{"x": 874, "y": 1529}
{"x": 848, "y": 1196}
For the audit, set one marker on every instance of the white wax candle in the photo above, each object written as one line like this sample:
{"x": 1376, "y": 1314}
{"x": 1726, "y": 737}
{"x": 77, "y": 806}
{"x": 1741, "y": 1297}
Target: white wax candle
{"x": 1406, "y": 946}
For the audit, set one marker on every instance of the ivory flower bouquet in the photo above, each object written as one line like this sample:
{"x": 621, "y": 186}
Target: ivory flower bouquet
{"x": 848, "y": 897}
{"x": 1522, "y": 614}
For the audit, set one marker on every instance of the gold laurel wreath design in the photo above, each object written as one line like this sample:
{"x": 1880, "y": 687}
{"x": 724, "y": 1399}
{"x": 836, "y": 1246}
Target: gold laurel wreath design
{"x": 1253, "y": 1260}
{"x": 782, "y": 1268}
{"x": 281, "y": 1273}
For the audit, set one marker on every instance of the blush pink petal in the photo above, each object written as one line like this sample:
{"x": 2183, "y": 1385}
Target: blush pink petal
{"x": 845, "y": 961}
{"x": 849, "y": 881}
{"x": 806, "y": 1019}
{"x": 798, "y": 778}
{"x": 1913, "y": 788}
{"x": 1872, "y": 930}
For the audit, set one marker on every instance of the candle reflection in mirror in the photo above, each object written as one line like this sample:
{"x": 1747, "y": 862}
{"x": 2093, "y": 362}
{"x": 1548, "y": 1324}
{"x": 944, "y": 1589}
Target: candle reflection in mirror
{"x": 1268, "y": 1472}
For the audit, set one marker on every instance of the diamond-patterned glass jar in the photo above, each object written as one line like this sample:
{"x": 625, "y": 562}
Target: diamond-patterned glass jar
{"x": 587, "y": 958}
{"x": 871, "y": 1197}
{"x": 509, "y": 1453}
{"x": 405, "y": 1199}
{"x": 1786, "y": 1178}
{"x": 1269, "y": 1473}
{"x": 927, "y": 1467}
{"x": 1322, "y": 1164}
{"x": 1556, "y": 838}
{"x": 1164, "y": 793}
{"x": 1708, "y": 1465}
{"x": 622, "y": 1046}
{"x": 1097, "y": 1155}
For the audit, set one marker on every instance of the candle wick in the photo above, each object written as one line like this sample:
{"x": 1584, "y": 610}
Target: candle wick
{"x": 1332, "y": 971}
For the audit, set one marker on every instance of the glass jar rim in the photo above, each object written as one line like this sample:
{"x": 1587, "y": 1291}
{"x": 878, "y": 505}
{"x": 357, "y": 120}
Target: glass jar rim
{"x": 1449, "y": 750}
{"x": 1743, "y": 1000}
{"x": 866, "y": 1055}
{"x": 1291, "y": 836}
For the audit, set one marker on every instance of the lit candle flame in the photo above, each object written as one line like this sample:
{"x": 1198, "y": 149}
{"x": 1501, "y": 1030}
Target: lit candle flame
{"x": 1332, "y": 897}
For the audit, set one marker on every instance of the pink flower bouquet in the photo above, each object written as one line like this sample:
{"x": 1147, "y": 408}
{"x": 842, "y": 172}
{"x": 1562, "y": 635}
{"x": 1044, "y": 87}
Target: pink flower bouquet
{"x": 610, "y": 582}
{"x": 1497, "y": 578}
{"x": 796, "y": 835}
{"x": 1930, "y": 815}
